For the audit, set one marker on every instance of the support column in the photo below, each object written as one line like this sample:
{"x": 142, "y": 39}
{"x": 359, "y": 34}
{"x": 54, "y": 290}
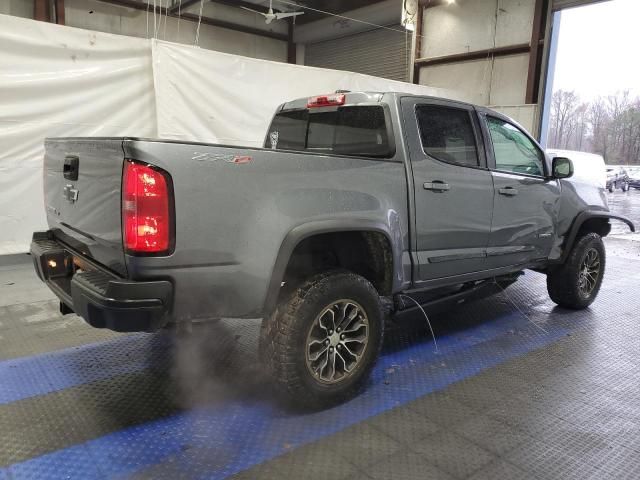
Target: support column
{"x": 41, "y": 10}
{"x": 416, "y": 51}
{"x": 535, "y": 57}
{"x": 59, "y": 11}
{"x": 291, "y": 47}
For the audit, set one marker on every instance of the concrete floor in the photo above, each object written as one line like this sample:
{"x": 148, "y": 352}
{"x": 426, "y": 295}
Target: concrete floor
{"x": 531, "y": 391}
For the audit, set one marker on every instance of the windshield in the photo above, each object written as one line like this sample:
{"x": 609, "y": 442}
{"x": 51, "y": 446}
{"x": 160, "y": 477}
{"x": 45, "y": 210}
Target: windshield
{"x": 357, "y": 131}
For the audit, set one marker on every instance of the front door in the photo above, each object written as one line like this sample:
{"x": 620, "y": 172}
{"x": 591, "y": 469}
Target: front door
{"x": 526, "y": 201}
{"x": 453, "y": 189}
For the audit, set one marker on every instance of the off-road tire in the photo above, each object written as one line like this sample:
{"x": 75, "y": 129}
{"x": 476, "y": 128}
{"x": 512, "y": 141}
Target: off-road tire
{"x": 283, "y": 338}
{"x": 563, "y": 281}
{"x": 625, "y": 187}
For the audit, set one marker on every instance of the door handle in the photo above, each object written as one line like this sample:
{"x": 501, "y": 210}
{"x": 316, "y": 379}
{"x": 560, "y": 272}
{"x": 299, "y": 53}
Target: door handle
{"x": 436, "y": 186}
{"x": 508, "y": 191}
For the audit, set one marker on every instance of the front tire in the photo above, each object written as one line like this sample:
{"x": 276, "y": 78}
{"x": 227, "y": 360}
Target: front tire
{"x": 323, "y": 339}
{"x": 576, "y": 283}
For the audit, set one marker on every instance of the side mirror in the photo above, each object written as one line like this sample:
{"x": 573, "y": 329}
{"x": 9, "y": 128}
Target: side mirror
{"x": 562, "y": 167}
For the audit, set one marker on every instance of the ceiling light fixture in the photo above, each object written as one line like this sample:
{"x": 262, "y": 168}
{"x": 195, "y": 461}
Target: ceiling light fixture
{"x": 409, "y": 11}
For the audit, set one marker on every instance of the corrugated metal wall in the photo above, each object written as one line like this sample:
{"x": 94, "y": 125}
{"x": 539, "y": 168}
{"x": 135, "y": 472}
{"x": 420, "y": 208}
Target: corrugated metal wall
{"x": 383, "y": 53}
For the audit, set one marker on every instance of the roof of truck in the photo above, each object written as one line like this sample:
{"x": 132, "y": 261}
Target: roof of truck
{"x": 360, "y": 97}
{"x": 372, "y": 97}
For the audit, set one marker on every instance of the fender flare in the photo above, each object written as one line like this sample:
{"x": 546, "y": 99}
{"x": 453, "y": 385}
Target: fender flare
{"x": 306, "y": 230}
{"x": 579, "y": 221}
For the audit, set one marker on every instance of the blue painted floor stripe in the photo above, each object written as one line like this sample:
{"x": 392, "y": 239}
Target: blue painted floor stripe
{"x": 26, "y": 377}
{"x": 212, "y": 435}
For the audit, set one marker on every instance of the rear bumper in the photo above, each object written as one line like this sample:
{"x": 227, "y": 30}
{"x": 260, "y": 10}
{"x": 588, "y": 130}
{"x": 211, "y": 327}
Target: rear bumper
{"x": 102, "y": 299}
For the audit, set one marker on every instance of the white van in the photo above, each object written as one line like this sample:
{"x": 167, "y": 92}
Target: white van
{"x": 588, "y": 167}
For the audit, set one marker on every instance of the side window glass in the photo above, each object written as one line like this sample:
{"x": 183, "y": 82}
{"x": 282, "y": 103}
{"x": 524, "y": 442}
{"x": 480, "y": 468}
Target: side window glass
{"x": 447, "y": 134}
{"x": 513, "y": 150}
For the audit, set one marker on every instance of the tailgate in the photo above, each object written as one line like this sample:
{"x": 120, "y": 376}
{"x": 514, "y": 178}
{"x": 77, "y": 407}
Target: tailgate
{"x": 82, "y": 190}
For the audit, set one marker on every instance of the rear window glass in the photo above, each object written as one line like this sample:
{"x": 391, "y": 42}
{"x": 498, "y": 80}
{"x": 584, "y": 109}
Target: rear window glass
{"x": 447, "y": 134}
{"x": 357, "y": 131}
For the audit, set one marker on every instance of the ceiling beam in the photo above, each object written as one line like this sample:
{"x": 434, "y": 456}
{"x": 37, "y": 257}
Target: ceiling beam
{"x": 477, "y": 55}
{"x": 241, "y": 3}
{"x": 558, "y": 5}
{"x": 194, "y": 18}
{"x": 234, "y": 26}
{"x": 181, "y": 6}
{"x": 386, "y": 12}
{"x": 230, "y": 3}
{"x": 132, "y": 4}
{"x": 432, "y": 3}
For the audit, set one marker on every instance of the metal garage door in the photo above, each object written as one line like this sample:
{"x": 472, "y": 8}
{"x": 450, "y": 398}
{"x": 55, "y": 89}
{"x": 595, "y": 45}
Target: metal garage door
{"x": 383, "y": 53}
{"x": 560, "y": 4}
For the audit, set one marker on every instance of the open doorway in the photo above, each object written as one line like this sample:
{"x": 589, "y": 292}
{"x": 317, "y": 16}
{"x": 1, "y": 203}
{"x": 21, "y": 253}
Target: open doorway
{"x": 592, "y": 97}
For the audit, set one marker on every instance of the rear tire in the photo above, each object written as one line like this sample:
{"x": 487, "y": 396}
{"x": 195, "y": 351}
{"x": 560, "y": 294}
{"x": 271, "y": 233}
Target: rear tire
{"x": 312, "y": 324}
{"x": 611, "y": 188}
{"x": 576, "y": 283}
{"x": 625, "y": 187}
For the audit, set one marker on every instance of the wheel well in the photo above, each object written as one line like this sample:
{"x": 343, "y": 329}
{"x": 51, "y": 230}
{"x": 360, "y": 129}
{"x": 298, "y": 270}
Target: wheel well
{"x": 366, "y": 253}
{"x": 601, "y": 226}
{"x": 594, "y": 224}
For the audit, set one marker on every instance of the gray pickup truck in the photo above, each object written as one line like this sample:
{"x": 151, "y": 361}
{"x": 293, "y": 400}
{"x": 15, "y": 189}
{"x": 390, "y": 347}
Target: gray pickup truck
{"x": 359, "y": 205}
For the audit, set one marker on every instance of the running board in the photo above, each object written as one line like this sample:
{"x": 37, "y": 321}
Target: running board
{"x": 404, "y": 305}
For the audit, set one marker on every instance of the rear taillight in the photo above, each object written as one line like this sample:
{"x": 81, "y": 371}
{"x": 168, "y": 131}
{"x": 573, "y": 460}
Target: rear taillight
{"x": 330, "y": 100}
{"x": 147, "y": 208}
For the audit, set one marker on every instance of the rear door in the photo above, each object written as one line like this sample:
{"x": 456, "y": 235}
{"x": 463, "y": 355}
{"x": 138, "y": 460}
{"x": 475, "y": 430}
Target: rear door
{"x": 82, "y": 188}
{"x": 453, "y": 190}
{"x": 526, "y": 202}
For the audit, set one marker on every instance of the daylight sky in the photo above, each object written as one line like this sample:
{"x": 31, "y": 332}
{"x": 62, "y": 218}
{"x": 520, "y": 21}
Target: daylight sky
{"x": 599, "y": 49}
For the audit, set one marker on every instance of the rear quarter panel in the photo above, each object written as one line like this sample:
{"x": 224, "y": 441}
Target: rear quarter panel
{"x": 233, "y": 218}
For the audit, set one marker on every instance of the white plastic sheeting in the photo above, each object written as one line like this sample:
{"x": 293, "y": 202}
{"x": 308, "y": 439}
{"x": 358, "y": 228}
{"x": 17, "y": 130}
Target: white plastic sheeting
{"x": 208, "y": 96}
{"x": 60, "y": 81}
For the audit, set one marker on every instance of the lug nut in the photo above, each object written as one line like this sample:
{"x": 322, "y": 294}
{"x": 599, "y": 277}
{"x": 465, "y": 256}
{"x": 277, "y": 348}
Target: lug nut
{"x": 341, "y": 337}
{"x": 330, "y": 332}
{"x": 338, "y": 330}
{"x": 331, "y": 349}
